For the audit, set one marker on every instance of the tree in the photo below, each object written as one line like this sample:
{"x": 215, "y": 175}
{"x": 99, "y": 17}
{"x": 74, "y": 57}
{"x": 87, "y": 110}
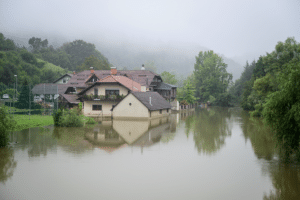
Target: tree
{"x": 7, "y": 124}
{"x": 168, "y": 77}
{"x": 26, "y": 97}
{"x": 150, "y": 65}
{"x": 37, "y": 43}
{"x": 79, "y": 50}
{"x": 94, "y": 62}
{"x": 190, "y": 93}
{"x": 211, "y": 77}
{"x": 282, "y": 108}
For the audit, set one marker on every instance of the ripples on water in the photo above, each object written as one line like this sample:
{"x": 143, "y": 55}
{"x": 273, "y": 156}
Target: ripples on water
{"x": 214, "y": 153}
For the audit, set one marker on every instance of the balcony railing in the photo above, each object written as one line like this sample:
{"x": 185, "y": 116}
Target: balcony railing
{"x": 102, "y": 97}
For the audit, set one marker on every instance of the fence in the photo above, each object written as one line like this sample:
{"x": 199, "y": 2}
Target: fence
{"x": 29, "y": 100}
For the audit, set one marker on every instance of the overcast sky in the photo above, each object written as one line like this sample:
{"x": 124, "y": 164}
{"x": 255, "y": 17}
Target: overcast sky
{"x": 229, "y": 27}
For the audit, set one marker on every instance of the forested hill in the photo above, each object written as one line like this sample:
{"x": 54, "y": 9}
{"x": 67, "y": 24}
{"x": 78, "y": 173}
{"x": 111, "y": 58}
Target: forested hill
{"x": 165, "y": 57}
{"x": 42, "y": 63}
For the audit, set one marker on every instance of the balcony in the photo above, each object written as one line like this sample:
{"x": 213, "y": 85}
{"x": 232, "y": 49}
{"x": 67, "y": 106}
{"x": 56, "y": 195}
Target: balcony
{"x": 114, "y": 98}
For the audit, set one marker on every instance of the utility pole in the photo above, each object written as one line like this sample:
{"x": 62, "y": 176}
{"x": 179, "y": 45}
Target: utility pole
{"x": 29, "y": 100}
{"x": 44, "y": 99}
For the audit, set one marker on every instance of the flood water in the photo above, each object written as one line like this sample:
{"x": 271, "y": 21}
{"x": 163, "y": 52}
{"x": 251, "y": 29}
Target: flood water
{"x": 214, "y": 153}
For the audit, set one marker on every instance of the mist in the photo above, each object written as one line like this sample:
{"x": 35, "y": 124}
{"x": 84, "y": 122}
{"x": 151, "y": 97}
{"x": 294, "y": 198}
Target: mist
{"x": 238, "y": 30}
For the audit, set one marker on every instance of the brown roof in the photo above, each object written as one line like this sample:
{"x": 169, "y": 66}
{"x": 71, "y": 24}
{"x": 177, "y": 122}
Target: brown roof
{"x": 71, "y": 98}
{"x": 126, "y": 82}
{"x": 130, "y": 84}
{"x": 157, "y": 101}
{"x": 142, "y": 77}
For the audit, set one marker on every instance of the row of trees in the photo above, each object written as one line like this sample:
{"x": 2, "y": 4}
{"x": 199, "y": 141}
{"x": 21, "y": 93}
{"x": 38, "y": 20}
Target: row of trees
{"x": 73, "y": 56}
{"x": 19, "y": 61}
{"x": 270, "y": 88}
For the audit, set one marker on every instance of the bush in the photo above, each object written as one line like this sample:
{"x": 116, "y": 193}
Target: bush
{"x": 6, "y": 124}
{"x": 56, "y": 117}
{"x": 70, "y": 118}
{"x": 91, "y": 121}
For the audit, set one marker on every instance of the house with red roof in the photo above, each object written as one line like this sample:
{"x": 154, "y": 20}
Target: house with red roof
{"x": 101, "y": 96}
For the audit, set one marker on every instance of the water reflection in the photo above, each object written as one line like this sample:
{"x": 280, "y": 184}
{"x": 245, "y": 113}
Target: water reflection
{"x": 37, "y": 141}
{"x": 72, "y": 139}
{"x": 209, "y": 127}
{"x": 7, "y": 163}
{"x": 112, "y": 135}
{"x": 261, "y": 137}
{"x": 286, "y": 181}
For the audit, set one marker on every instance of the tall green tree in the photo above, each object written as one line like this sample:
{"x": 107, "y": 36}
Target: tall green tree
{"x": 282, "y": 108}
{"x": 168, "y": 77}
{"x": 26, "y": 97}
{"x": 37, "y": 43}
{"x": 211, "y": 76}
{"x": 79, "y": 50}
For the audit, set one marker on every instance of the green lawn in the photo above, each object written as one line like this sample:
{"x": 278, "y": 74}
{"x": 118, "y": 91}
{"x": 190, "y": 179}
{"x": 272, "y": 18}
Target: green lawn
{"x": 26, "y": 121}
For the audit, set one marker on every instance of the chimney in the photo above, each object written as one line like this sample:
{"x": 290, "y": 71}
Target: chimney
{"x": 73, "y": 72}
{"x": 143, "y": 68}
{"x": 92, "y": 70}
{"x": 150, "y": 101}
{"x": 113, "y": 70}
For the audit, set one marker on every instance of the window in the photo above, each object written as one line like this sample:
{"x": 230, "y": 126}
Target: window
{"x": 160, "y": 111}
{"x": 64, "y": 80}
{"x": 112, "y": 92}
{"x": 95, "y": 91}
{"x": 130, "y": 104}
{"x": 97, "y": 107}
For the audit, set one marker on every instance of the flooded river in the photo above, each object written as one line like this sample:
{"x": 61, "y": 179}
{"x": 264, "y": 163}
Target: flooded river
{"x": 214, "y": 153}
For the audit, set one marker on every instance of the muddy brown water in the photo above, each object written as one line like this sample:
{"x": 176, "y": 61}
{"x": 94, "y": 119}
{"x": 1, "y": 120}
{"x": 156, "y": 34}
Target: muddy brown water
{"x": 213, "y": 153}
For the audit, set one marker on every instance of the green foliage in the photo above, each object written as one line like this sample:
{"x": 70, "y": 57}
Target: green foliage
{"x": 18, "y": 61}
{"x": 30, "y": 121}
{"x": 94, "y": 62}
{"x": 67, "y": 118}
{"x": 91, "y": 121}
{"x": 150, "y": 65}
{"x": 79, "y": 50}
{"x": 6, "y": 44}
{"x": 211, "y": 77}
{"x": 56, "y": 117}
{"x": 282, "y": 108}
{"x": 168, "y": 77}
{"x": 237, "y": 89}
{"x": 25, "y": 99}
{"x": 7, "y": 124}
{"x": 37, "y": 43}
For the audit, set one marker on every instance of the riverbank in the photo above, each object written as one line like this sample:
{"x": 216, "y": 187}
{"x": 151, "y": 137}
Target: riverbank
{"x": 26, "y": 121}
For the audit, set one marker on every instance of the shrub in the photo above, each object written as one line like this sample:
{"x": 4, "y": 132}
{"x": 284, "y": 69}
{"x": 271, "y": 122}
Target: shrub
{"x": 56, "y": 117}
{"x": 67, "y": 118}
{"x": 70, "y": 118}
{"x": 91, "y": 121}
{"x": 6, "y": 124}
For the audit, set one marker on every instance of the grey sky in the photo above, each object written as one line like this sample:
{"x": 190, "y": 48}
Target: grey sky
{"x": 229, "y": 27}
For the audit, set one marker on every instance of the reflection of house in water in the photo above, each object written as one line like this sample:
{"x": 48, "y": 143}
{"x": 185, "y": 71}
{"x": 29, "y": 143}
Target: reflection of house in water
{"x": 104, "y": 137}
{"x": 111, "y": 135}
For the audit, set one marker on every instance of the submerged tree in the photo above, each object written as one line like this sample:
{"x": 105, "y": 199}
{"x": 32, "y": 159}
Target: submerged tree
{"x": 211, "y": 77}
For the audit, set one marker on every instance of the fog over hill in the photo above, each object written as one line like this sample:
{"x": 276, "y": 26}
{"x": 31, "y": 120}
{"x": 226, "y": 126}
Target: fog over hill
{"x": 177, "y": 58}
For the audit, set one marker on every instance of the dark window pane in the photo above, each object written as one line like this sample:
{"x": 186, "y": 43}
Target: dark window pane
{"x": 97, "y": 107}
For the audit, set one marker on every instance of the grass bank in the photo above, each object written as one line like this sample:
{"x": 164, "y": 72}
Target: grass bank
{"x": 24, "y": 121}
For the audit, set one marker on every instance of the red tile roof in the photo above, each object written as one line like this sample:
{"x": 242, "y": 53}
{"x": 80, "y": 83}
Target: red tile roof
{"x": 130, "y": 84}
